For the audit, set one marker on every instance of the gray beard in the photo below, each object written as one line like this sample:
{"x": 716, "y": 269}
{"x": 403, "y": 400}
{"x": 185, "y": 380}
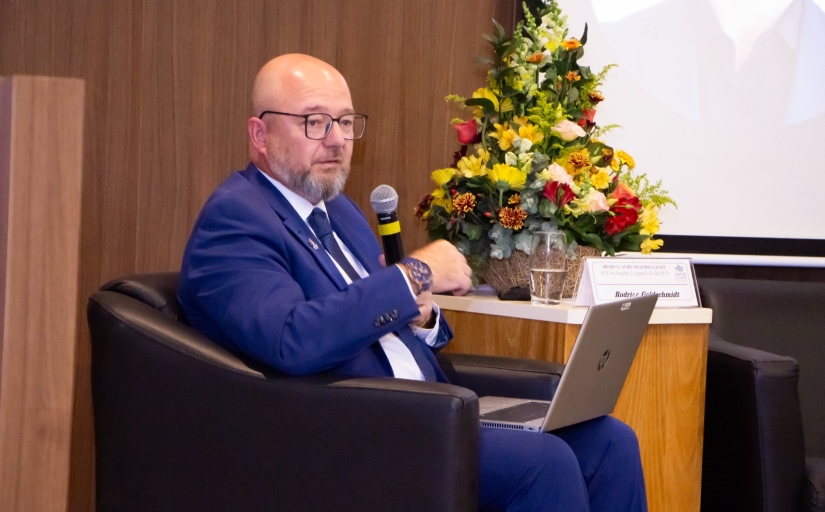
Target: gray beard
{"x": 314, "y": 190}
{"x": 302, "y": 182}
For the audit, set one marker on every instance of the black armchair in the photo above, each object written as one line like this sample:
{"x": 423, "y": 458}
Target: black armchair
{"x": 182, "y": 424}
{"x": 758, "y": 404}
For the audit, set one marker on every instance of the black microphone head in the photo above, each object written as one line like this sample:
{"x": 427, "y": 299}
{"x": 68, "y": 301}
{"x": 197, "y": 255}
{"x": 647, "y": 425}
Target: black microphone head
{"x": 384, "y": 199}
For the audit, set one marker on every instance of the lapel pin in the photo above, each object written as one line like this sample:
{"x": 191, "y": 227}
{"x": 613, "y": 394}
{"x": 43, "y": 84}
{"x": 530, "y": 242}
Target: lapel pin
{"x": 313, "y": 244}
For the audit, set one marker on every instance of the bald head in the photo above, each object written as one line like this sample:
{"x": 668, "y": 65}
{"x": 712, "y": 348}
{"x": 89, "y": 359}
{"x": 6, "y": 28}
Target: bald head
{"x": 288, "y": 76}
{"x": 291, "y": 87}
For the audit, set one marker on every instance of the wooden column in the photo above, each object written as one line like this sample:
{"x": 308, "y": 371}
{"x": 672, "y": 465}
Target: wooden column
{"x": 41, "y": 149}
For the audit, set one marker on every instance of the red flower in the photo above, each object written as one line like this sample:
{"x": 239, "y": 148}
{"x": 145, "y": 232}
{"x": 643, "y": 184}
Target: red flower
{"x": 626, "y": 213}
{"x": 622, "y": 192}
{"x": 551, "y": 192}
{"x": 587, "y": 117}
{"x": 467, "y": 132}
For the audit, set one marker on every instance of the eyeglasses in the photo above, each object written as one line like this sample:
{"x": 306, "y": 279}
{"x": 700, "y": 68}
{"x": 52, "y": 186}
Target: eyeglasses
{"x": 318, "y": 126}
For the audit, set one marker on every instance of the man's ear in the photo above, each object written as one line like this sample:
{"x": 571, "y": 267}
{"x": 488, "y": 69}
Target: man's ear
{"x": 257, "y": 134}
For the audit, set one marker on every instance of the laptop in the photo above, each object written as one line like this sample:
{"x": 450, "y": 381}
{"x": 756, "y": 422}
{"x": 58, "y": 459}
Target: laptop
{"x": 593, "y": 377}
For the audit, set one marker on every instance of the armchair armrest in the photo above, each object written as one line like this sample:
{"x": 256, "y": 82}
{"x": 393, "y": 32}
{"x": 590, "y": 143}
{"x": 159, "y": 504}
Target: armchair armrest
{"x": 753, "y": 446}
{"x": 182, "y": 424}
{"x": 502, "y": 376}
{"x": 814, "y": 497}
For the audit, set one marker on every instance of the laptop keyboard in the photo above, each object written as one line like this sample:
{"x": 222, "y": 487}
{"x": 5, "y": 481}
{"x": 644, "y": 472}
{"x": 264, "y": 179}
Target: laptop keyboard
{"x": 518, "y": 413}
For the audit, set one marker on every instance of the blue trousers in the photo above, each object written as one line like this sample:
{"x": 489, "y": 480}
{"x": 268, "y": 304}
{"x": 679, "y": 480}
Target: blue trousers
{"x": 592, "y": 466}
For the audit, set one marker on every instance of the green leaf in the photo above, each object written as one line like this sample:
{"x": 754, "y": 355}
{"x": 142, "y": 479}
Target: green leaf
{"x": 510, "y": 49}
{"x": 595, "y": 149}
{"x": 594, "y": 240}
{"x": 572, "y": 95}
{"x": 583, "y": 39}
{"x": 585, "y": 72}
{"x": 501, "y": 32}
{"x": 473, "y": 231}
{"x": 547, "y": 208}
{"x": 579, "y": 52}
{"x": 484, "y": 103}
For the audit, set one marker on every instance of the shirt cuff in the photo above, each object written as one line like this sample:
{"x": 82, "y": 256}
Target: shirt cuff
{"x": 429, "y": 336}
{"x": 407, "y": 280}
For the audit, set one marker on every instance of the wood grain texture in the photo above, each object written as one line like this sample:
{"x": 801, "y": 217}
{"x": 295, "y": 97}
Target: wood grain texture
{"x": 167, "y": 99}
{"x": 40, "y": 203}
{"x": 662, "y": 400}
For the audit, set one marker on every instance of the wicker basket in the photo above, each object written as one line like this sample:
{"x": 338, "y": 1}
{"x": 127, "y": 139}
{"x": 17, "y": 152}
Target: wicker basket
{"x": 514, "y": 271}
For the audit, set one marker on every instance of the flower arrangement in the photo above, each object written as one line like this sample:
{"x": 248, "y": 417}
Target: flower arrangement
{"x": 532, "y": 157}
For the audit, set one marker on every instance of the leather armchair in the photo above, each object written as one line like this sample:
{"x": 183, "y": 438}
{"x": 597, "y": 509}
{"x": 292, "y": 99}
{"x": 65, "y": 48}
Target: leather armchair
{"x": 764, "y": 412}
{"x": 183, "y": 424}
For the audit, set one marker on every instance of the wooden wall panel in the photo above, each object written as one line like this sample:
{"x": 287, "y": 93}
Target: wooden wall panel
{"x": 167, "y": 98}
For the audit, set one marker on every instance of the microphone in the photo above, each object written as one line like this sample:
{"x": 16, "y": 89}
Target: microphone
{"x": 384, "y": 200}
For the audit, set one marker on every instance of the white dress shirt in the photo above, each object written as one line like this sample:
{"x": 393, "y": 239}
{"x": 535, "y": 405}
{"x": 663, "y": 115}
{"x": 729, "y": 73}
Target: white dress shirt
{"x": 401, "y": 359}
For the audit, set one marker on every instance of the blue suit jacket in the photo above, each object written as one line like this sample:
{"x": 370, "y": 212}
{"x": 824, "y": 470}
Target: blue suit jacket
{"x": 254, "y": 278}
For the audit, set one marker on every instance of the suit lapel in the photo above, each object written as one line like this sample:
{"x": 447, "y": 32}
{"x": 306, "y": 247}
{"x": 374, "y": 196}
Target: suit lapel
{"x": 295, "y": 224}
{"x": 356, "y": 240}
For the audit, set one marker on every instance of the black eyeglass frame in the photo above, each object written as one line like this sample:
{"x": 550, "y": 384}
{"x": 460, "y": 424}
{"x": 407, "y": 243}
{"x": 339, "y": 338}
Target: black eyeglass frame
{"x": 329, "y": 126}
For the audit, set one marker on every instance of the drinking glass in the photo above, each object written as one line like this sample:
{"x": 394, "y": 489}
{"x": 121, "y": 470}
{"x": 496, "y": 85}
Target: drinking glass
{"x": 548, "y": 266}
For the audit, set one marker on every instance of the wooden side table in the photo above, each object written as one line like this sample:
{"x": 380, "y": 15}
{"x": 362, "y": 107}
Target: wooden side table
{"x": 663, "y": 399}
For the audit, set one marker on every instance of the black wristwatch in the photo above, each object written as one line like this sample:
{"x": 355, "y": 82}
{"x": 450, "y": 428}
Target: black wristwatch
{"x": 419, "y": 273}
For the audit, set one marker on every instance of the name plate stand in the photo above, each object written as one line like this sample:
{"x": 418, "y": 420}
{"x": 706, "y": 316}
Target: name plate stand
{"x": 611, "y": 279}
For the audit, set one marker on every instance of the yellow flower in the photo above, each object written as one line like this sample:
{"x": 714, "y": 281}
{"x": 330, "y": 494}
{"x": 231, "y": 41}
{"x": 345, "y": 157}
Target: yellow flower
{"x": 651, "y": 245}
{"x": 464, "y": 203}
{"x": 507, "y": 105}
{"x": 625, "y": 159}
{"x": 521, "y": 121}
{"x": 483, "y": 154}
{"x": 440, "y": 198}
{"x": 484, "y": 92}
{"x": 471, "y": 166}
{"x": 579, "y": 159}
{"x": 512, "y": 218}
{"x": 650, "y": 220}
{"x": 601, "y": 179}
{"x": 571, "y": 44}
{"x": 506, "y": 177}
{"x": 531, "y": 133}
{"x": 505, "y": 136}
{"x": 443, "y": 176}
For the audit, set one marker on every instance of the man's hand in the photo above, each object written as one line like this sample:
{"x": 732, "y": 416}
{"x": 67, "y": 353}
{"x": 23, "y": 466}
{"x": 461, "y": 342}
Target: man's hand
{"x": 449, "y": 267}
{"x": 425, "y": 319}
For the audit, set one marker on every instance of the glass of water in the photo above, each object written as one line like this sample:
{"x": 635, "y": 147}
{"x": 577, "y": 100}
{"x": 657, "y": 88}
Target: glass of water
{"x": 548, "y": 266}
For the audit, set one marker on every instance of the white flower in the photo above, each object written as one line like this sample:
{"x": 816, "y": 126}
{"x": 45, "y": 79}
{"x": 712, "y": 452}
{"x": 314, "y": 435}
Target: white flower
{"x": 511, "y": 159}
{"x": 568, "y": 130}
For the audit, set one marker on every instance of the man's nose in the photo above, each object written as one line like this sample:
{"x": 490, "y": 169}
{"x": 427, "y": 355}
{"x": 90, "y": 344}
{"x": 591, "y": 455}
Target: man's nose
{"x": 335, "y": 137}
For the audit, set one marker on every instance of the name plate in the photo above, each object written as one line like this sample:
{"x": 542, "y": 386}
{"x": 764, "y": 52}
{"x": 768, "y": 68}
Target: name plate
{"x": 612, "y": 279}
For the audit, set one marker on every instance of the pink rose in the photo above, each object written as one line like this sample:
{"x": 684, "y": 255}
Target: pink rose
{"x": 596, "y": 202}
{"x": 559, "y": 173}
{"x": 568, "y": 130}
{"x": 467, "y": 132}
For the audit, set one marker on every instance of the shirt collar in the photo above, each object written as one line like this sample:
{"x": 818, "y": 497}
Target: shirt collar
{"x": 301, "y": 205}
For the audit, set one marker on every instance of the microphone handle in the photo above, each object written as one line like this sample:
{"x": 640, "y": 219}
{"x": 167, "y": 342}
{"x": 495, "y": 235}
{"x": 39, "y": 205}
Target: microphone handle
{"x": 390, "y": 231}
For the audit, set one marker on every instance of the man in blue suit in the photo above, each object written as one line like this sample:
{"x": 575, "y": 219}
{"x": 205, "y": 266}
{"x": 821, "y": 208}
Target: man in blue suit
{"x": 283, "y": 267}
